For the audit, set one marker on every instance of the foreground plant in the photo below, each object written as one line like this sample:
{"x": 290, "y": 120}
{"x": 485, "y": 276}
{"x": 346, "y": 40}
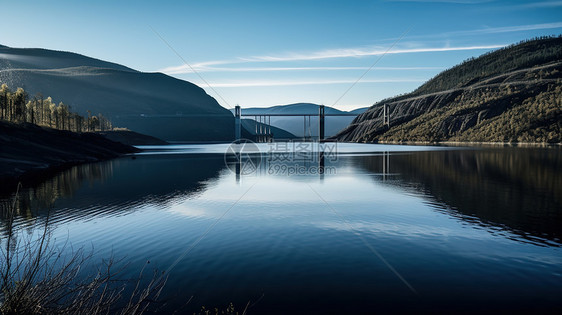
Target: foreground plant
{"x": 38, "y": 278}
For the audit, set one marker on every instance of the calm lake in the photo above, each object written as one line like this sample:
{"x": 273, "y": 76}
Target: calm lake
{"x": 360, "y": 229}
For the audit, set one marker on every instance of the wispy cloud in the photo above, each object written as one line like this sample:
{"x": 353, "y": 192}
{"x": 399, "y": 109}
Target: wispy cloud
{"x": 311, "y": 82}
{"x": 318, "y": 55}
{"x": 186, "y": 69}
{"x": 214, "y": 65}
{"x": 507, "y": 29}
{"x": 199, "y": 67}
{"x": 544, "y": 4}
{"x": 445, "y": 1}
{"x": 360, "y": 52}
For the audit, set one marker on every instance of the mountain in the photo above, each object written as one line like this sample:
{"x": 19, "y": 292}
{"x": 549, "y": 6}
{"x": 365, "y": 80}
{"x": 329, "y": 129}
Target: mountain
{"x": 249, "y": 130}
{"x": 297, "y": 108}
{"x": 38, "y": 58}
{"x": 513, "y": 94}
{"x": 359, "y": 110}
{"x": 149, "y": 103}
{"x": 296, "y": 125}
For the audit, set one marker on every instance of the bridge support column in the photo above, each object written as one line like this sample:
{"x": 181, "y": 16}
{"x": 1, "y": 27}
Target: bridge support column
{"x": 386, "y": 115}
{"x": 321, "y": 117}
{"x": 237, "y": 124}
{"x": 385, "y": 164}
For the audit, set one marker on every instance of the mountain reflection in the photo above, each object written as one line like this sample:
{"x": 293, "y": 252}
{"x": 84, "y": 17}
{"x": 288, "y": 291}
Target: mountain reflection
{"x": 518, "y": 190}
{"x": 33, "y": 198}
{"x": 514, "y": 190}
{"x": 113, "y": 187}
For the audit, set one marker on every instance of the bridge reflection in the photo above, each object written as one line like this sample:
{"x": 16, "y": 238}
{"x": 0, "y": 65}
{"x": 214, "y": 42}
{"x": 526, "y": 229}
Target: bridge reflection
{"x": 319, "y": 160}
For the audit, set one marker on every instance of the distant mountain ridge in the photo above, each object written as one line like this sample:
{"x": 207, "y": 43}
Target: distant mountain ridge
{"x": 249, "y": 131}
{"x": 296, "y": 125}
{"x": 296, "y": 108}
{"x": 359, "y": 110}
{"x": 513, "y": 94}
{"x": 150, "y": 103}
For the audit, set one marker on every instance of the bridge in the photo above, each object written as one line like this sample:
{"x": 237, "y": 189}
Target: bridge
{"x": 263, "y": 123}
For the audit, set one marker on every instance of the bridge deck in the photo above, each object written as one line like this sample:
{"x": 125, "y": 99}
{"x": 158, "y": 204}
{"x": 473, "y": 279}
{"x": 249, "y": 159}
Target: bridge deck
{"x": 299, "y": 115}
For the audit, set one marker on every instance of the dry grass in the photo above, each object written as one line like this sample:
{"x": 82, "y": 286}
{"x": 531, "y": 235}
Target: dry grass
{"x": 38, "y": 278}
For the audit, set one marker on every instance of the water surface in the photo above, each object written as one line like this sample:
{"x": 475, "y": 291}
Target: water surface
{"x": 381, "y": 229}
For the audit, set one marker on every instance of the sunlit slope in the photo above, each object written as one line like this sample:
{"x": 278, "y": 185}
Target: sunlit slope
{"x": 510, "y": 95}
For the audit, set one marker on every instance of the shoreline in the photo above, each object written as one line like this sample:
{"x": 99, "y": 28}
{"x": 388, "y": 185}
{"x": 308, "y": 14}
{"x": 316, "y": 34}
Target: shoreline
{"x": 470, "y": 143}
{"x": 31, "y": 153}
{"x": 436, "y": 143}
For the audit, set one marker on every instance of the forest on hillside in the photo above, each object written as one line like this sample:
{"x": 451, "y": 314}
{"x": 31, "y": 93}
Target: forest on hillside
{"x": 513, "y": 94}
{"x": 16, "y": 106}
{"x": 525, "y": 54}
{"x": 525, "y": 117}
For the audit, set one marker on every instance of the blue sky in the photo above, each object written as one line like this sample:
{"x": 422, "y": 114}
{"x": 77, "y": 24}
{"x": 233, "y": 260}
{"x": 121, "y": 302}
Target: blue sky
{"x": 264, "y": 53}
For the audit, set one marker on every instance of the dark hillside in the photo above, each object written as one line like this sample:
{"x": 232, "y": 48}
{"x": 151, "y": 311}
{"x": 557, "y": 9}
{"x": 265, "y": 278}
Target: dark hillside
{"x": 26, "y": 149}
{"x": 149, "y": 103}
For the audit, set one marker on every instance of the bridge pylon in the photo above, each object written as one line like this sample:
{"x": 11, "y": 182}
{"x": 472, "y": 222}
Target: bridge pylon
{"x": 237, "y": 124}
{"x": 321, "y": 120}
{"x": 386, "y": 116}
